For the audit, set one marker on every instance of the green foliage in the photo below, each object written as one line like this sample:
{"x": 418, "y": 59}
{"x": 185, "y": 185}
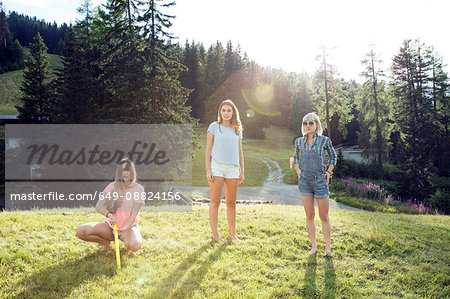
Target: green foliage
{"x": 302, "y": 102}
{"x": 75, "y": 84}
{"x": 191, "y": 78}
{"x": 212, "y": 76}
{"x": 24, "y": 28}
{"x": 38, "y": 102}
{"x": 413, "y": 114}
{"x": 374, "y": 122}
{"x": 441, "y": 200}
{"x": 11, "y": 52}
{"x": 351, "y": 168}
{"x": 11, "y": 82}
{"x": 333, "y": 97}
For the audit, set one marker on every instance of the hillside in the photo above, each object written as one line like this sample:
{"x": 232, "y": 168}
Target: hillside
{"x": 10, "y": 85}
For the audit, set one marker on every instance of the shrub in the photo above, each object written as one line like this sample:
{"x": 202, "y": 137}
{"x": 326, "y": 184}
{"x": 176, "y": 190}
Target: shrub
{"x": 376, "y": 192}
{"x": 441, "y": 201}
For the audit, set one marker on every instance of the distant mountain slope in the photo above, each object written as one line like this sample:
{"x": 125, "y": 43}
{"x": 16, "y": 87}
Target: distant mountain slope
{"x": 10, "y": 86}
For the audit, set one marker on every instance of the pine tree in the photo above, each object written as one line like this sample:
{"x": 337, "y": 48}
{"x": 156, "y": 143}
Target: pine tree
{"x": 156, "y": 24}
{"x": 5, "y": 34}
{"x": 331, "y": 96}
{"x": 191, "y": 78}
{"x": 301, "y": 100}
{"x": 38, "y": 104}
{"x": 212, "y": 77}
{"x": 75, "y": 84}
{"x": 441, "y": 112}
{"x": 375, "y": 111}
{"x": 139, "y": 66}
{"x": 233, "y": 60}
{"x": 11, "y": 52}
{"x": 413, "y": 114}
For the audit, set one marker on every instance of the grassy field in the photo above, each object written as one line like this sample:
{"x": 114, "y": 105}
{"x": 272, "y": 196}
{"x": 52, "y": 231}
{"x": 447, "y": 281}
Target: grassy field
{"x": 10, "y": 86}
{"x": 375, "y": 255}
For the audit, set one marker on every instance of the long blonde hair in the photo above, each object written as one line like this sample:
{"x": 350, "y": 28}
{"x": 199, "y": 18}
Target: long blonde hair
{"x": 113, "y": 203}
{"x": 235, "y": 119}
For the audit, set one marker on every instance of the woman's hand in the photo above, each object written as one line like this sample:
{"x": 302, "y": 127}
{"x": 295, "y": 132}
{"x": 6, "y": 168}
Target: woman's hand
{"x": 328, "y": 175}
{"x": 241, "y": 178}
{"x": 209, "y": 176}
{"x": 112, "y": 219}
{"x": 124, "y": 228}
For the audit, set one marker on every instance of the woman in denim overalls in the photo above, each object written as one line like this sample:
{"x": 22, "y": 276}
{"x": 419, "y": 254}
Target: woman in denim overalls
{"x": 309, "y": 161}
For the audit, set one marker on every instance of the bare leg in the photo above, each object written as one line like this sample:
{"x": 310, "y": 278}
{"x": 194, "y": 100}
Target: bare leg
{"x": 95, "y": 232}
{"x": 215, "y": 192}
{"x": 132, "y": 239}
{"x": 324, "y": 204}
{"x": 308, "y": 205}
{"x": 230, "y": 199}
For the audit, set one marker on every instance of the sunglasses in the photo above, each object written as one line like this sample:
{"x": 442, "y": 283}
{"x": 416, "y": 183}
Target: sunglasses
{"x": 311, "y": 123}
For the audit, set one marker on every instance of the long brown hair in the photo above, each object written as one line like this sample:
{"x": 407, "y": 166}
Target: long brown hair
{"x": 235, "y": 119}
{"x": 113, "y": 203}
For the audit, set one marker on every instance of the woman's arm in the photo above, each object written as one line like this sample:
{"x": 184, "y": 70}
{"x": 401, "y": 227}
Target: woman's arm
{"x": 332, "y": 154}
{"x": 100, "y": 206}
{"x": 241, "y": 163}
{"x": 296, "y": 158}
{"x": 208, "y": 150}
{"x": 137, "y": 205}
{"x": 332, "y": 161}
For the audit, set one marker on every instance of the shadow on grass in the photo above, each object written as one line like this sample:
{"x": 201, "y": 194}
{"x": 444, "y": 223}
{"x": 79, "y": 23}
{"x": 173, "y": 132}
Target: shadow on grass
{"x": 197, "y": 265}
{"x": 309, "y": 282}
{"x": 330, "y": 279}
{"x": 60, "y": 280}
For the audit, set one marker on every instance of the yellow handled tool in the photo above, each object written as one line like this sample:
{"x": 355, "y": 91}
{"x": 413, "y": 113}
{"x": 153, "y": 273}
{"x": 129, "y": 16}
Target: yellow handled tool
{"x": 116, "y": 242}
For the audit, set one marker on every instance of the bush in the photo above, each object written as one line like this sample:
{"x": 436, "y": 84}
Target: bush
{"x": 440, "y": 182}
{"x": 351, "y": 168}
{"x": 254, "y": 132}
{"x": 392, "y": 173}
{"x": 441, "y": 201}
{"x": 370, "y": 190}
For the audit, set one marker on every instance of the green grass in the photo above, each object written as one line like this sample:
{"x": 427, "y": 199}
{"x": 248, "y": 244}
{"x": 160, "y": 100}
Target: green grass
{"x": 372, "y": 205}
{"x": 10, "y": 85}
{"x": 9, "y": 91}
{"x": 376, "y": 255}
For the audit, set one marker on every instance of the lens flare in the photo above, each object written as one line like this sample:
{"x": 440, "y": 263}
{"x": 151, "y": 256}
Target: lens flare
{"x": 250, "y": 113}
{"x": 261, "y": 100}
{"x": 141, "y": 280}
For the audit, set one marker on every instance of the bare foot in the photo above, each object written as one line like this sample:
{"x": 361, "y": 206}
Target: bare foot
{"x": 313, "y": 251}
{"x": 219, "y": 239}
{"x": 235, "y": 239}
{"x": 105, "y": 247}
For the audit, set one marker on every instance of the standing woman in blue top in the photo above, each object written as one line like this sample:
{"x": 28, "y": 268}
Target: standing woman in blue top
{"x": 224, "y": 162}
{"x": 309, "y": 161}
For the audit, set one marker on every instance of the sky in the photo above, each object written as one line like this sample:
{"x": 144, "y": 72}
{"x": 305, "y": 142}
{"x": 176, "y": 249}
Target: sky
{"x": 289, "y": 34}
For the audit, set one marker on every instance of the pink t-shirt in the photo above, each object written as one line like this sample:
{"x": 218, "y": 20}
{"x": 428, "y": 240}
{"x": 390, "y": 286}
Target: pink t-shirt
{"x": 131, "y": 195}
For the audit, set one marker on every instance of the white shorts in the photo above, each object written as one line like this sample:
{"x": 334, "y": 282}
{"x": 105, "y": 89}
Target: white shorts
{"x": 226, "y": 171}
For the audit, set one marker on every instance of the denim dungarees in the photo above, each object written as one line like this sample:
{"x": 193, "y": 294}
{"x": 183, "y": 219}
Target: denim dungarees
{"x": 312, "y": 181}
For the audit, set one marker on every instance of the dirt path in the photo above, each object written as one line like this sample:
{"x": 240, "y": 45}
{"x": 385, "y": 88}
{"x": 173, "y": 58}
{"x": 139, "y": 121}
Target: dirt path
{"x": 275, "y": 177}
